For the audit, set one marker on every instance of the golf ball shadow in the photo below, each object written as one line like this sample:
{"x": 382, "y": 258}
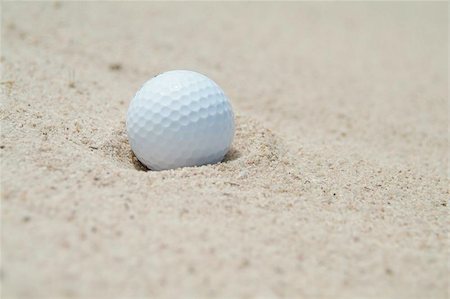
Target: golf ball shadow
{"x": 232, "y": 155}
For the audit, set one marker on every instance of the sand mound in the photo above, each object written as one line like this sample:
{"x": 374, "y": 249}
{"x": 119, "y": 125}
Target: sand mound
{"x": 255, "y": 149}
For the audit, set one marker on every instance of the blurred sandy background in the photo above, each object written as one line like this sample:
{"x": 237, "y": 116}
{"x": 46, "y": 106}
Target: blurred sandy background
{"x": 336, "y": 186}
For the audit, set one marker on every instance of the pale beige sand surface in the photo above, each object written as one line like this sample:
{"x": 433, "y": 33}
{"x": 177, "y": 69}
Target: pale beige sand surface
{"x": 336, "y": 186}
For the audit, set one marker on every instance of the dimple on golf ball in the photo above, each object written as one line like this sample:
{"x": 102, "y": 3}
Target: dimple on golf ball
{"x": 180, "y": 118}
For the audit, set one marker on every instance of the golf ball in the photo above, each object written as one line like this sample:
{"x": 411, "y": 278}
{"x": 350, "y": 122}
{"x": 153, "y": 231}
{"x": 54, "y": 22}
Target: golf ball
{"x": 180, "y": 118}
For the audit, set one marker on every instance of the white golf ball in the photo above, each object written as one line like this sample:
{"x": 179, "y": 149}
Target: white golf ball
{"x": 178, "y": 119}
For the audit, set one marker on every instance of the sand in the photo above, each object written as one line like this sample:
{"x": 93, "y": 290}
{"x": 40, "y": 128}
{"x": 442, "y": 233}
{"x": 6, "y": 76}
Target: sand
{"x": 336, "y": 186}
